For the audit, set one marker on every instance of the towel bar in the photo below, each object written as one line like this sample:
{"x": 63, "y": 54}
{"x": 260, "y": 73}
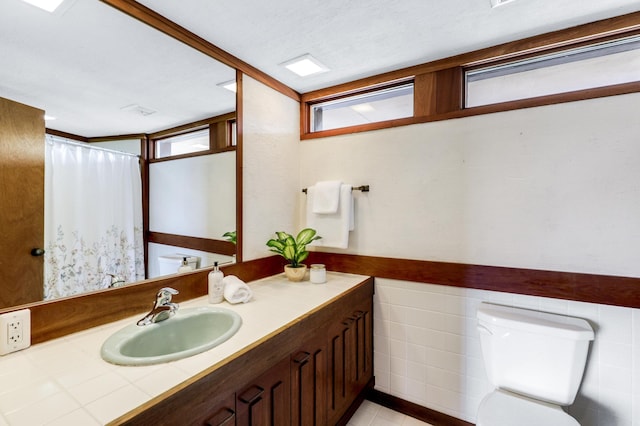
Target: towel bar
{"x": 363, "y": 188}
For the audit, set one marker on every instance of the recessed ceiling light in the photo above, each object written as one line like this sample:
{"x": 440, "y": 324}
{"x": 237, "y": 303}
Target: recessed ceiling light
{"x": 48, "y": 5}
{"x": 137, "y": 109}
{"x": 305, "y": 65}
{"x": 229, "y": 85}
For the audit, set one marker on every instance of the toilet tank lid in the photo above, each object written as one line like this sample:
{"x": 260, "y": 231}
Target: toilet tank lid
{"x": 490, "y": 315}
{"x": 177, "y": 258}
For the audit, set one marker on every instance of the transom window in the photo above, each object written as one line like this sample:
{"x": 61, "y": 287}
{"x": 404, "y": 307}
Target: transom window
{"x": 597, "y": 65}
{"x": 186, "y": 143}
{"x": 378, "y": 105}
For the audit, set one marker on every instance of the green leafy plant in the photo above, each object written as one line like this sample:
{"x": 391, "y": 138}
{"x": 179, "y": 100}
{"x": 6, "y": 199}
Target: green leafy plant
{"x": 230, "y": 236}
{"x": 293, "y": 249}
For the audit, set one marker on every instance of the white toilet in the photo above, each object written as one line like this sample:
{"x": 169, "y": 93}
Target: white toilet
{"x": 535, "y": 360}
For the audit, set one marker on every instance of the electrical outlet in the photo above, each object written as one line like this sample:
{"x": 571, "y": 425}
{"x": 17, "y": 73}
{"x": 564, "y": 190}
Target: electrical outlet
{"x": 15, "y": 331}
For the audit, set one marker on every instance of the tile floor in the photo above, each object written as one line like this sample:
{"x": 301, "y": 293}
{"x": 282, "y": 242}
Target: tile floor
{"x": 371, "y": 414}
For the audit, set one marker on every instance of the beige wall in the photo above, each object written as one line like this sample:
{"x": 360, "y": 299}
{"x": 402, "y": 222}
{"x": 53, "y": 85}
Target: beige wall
{"x": 554, "y": 187}
{"x": 271, "y": 160}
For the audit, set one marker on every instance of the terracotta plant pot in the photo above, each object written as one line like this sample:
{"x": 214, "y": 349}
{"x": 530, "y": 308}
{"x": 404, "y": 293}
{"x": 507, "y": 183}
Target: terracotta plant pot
{"x": 295, "y": 274}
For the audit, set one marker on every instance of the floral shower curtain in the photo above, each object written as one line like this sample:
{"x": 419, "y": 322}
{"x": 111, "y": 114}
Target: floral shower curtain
{"x": 93, "y": 218}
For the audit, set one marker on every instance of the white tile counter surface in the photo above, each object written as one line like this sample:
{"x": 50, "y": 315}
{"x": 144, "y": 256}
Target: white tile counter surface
{"x": 66, "y": 382}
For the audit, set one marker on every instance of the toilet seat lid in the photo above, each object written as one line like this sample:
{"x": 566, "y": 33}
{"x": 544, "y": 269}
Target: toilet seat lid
{"x": 501, "y": 408}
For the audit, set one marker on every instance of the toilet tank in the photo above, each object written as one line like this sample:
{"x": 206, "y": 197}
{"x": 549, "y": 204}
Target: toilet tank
{"x": 169, "y": 264}
{"x": 536, "y": 354}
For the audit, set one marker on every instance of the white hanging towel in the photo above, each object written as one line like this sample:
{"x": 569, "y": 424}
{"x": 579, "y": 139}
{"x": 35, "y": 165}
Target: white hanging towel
{"x": 326, "y": 197}
{"x": 333, "y": 227}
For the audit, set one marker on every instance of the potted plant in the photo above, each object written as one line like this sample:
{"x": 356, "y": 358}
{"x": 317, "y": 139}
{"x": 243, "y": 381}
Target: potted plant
{"x": 230, "y": 236}
{"x": 294, "y": 250}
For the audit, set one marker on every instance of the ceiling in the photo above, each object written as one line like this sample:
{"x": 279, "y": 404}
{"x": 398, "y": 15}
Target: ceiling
{"x": 359, "y": 38}
{"x": 89, "y": 42}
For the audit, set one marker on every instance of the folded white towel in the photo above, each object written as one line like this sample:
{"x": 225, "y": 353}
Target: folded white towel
{"x": 236, "y": 290}
{"x": 326, "y": 196}
{"x": 333, "y": 228}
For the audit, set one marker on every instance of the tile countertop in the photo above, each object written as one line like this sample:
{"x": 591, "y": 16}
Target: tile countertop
{"x": 66, "y": 382}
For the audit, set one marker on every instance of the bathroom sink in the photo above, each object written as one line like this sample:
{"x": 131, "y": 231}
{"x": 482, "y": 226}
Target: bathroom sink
{"x": 189, "y": 332}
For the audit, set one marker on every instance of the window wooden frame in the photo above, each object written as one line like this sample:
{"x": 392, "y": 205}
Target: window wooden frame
{"x": 219, "y": 136}
{"x": 439, "y": 85}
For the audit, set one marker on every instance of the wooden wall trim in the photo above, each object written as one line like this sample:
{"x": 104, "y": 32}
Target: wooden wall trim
{"x": 414, "y": 410}
{"x": 602, "y": 289}
{"x": 50, "y": 320}
{"x": 66, "y": 135}
{"x": 194, "y": 243}
{"x": 170, "y": 28}
{"x": 239, "y": 163}
{"x": 579, "y": 95}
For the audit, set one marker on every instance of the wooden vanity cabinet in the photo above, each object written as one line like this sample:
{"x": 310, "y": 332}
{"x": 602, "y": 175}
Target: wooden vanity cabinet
{"x": 311, "y": 372}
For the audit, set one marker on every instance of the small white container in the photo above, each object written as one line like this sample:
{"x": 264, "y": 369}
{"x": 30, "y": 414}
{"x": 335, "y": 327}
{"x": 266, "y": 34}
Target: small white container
{"x": 216, "y": 286}
{"x": 318, "y": 273}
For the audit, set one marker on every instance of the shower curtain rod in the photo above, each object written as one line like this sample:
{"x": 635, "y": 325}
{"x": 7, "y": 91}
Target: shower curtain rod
{"x": 58, "y": 139}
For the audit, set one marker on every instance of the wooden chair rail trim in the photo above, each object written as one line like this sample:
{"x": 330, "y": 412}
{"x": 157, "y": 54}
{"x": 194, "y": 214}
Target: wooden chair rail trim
{"x": 194, "y": 243}
{"x": 592, "y": 288}
{"x": 57, "y": 318}
{"x": 53, "y": 319}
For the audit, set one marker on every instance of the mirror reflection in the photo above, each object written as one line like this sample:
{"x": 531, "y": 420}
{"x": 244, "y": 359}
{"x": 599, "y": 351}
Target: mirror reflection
{"x": 117, "y": 208}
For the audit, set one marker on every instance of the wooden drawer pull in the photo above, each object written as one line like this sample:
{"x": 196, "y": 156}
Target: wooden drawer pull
{"x": 358, "y": 314}
{"x": 251, "y": 394}
{"x": 301, "y": 357}
{"x": 347, "y": 321}
{"x": 222, "y": 418}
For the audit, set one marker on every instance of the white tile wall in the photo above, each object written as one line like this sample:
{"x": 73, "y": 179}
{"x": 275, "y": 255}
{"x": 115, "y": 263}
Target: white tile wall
{"x": 427, "y": 351}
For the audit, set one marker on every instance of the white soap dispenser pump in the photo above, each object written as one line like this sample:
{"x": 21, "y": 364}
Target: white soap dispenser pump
{"x": 185, "y": 267}
{"x": 216, "y": 286}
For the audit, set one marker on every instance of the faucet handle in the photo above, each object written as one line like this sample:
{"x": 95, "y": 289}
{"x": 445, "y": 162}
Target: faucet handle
{"x": 167, "y": 292}
{"x": 164, "y": 295}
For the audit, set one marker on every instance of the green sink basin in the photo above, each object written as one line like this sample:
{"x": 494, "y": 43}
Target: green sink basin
{"x": 189, "y": 332}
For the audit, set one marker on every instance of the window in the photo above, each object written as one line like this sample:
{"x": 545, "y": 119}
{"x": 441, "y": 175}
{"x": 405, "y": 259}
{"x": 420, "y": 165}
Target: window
{"x": 597, "y": 65}
{"x": 186, "y": 143}
{"x": 373, "y": 106}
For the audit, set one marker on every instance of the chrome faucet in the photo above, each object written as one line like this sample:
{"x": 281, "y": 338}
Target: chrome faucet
{"x": 163, "y": 308}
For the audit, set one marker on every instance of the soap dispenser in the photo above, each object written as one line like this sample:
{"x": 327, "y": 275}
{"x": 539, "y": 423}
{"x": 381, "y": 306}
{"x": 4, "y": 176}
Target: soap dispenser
{"x": 216, "y": 286}
{"x": 185, "y": 267}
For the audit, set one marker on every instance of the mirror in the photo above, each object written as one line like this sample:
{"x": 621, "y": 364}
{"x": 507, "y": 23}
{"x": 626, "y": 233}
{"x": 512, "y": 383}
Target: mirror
{"x": 101, "y": 73}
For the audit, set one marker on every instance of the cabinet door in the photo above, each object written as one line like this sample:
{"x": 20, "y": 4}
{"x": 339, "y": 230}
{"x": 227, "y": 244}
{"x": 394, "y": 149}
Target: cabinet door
{"x": 362, "y": 369}
{"x": 309, "y": 384}
{"x": 223, "y": 413}
{"x": 350, "y": 355}
{"x": 266, "y": 400}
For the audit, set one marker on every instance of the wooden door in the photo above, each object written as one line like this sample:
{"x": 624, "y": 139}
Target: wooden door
{"x": 22, "y": 203}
